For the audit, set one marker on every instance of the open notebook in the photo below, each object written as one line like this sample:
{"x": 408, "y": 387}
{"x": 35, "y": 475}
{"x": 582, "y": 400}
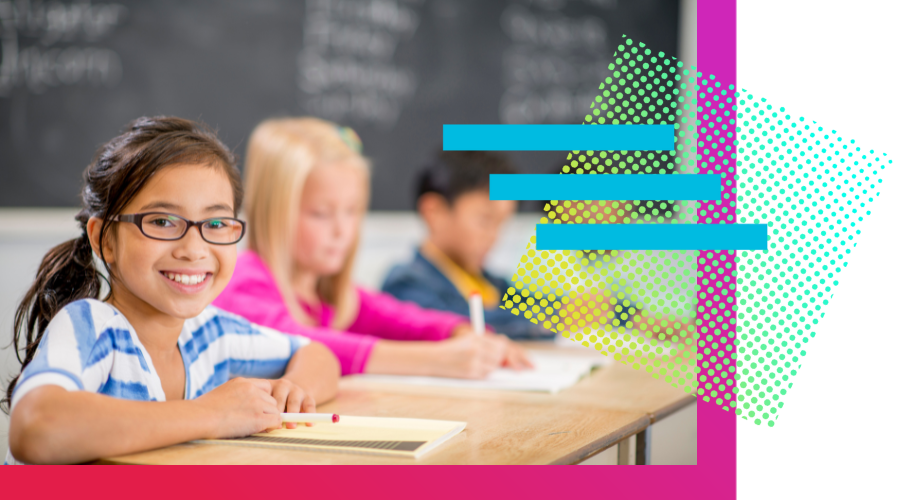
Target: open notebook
{"x": 553, "y": 372}
{"x": 398, "y": 437}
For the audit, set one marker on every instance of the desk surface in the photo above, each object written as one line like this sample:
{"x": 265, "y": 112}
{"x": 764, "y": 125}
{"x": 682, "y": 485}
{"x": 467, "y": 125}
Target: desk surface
{"x": 504, "y": 427}
{"x": 615, "y": 387}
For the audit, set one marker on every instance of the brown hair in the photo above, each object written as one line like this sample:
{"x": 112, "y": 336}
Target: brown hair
{"x": 119, "y": 170}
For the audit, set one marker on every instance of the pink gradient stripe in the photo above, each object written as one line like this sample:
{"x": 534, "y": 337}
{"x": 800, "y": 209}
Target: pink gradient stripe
{"x": 717, "y": 429}
{"x": 716, "y": 278}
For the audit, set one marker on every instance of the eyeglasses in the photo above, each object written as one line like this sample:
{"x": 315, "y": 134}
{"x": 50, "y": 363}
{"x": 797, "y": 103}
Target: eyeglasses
{"x": 350, "y": 138}
{"x": 170, "y": 227}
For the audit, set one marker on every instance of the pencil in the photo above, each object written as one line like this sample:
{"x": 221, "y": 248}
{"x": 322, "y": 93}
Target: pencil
{"x": 304, "y": 418}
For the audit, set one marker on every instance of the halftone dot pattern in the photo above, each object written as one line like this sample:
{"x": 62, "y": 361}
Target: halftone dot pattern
{"x": 642, "y": 307}
{"x": 590, "y": 298}
{"x": 812, "y": 188}
{"x": 716, "y": 268}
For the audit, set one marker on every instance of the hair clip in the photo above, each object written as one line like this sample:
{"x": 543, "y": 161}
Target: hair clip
{"x": 350, "y": 138}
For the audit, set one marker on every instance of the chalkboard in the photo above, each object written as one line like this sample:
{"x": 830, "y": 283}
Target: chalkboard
{"x": 72, "y": 74}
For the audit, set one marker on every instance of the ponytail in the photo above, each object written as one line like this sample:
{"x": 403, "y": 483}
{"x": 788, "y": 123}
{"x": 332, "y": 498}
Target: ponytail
{"x": 117, "y": 173}
{"x": 66, "y": 274}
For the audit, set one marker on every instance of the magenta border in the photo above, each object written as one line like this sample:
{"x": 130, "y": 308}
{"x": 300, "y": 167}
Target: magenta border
{"x": 717, "y": 428}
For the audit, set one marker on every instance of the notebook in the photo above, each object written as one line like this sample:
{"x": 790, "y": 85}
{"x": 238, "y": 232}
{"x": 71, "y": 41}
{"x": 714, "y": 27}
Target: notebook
{"x": 553, "y": 372}
{"x": 397, "y": 437}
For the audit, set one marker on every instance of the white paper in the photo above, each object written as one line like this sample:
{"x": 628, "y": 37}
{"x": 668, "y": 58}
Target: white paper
{"x": 553, "y": 372}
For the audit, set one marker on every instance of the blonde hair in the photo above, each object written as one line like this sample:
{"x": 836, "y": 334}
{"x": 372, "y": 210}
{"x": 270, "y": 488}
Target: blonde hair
{"x": 280, "y": 155}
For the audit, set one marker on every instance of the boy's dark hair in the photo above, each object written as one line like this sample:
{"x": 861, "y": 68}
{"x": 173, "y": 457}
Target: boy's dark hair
{"x": 454, "y": 173}
{"x": 119, "y": 170}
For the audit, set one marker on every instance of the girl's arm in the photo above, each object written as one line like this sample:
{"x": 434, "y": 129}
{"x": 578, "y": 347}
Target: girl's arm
{"x": 52, "y": 425}
{"x": 464, "y": 356}
{"x": 316, "y": 370}
{"x": 384, "y": 316}
{"x": 311, "y": 377}
{"x": 259, "y": 302}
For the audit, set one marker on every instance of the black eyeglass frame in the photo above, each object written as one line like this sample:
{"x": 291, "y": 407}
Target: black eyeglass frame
{"x": 137, "y": 220}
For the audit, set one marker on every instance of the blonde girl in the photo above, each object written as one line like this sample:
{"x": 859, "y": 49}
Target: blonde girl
{"x": 307, "y": 190}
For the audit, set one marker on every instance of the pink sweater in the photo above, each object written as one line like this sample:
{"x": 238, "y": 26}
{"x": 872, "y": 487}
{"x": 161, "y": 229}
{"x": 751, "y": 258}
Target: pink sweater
{"x": 252, "y": 293}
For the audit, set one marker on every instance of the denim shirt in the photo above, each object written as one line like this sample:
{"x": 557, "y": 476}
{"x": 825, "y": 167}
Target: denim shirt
{"x": 421, "y": 282}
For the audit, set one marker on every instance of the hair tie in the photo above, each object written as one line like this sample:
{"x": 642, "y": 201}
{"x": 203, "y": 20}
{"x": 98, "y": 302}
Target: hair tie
{"x": 350, "y": 138}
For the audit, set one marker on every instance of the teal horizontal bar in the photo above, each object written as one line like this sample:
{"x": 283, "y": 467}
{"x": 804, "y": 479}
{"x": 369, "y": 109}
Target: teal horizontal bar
{"x": 559, "y": 137}
{"x": 651, "y": 237}
{"x": 605, "y": 187}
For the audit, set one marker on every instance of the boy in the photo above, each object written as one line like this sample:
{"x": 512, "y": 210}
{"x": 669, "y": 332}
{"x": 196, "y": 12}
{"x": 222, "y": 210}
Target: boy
{"x": 463, "y": 223}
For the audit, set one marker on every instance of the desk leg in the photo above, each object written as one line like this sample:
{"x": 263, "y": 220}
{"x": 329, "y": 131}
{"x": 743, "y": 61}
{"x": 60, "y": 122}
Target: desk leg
{"x": 642, "y": 447}
{"x": 624, "y": 446}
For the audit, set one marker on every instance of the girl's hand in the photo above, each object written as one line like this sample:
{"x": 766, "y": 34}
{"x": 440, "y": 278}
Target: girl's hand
{"x": 461, "y": 330}
{"x": 291, "y": 398}
{"x": 516, "y": 357}
{"x": 241, "y": 407}
{"x": 469, "y": 356}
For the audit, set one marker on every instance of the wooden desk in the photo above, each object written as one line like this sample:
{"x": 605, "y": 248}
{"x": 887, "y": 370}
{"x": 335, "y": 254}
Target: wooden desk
{"x": 602, "y": 410}
{"x": 613, "y": 388}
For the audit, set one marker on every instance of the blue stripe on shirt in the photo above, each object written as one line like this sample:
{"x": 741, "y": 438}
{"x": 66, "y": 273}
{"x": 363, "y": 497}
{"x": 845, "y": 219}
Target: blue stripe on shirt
{"x": 200, "y": 340}
{"x": 41, "y": 364}
{"x": 83, "y": 328}
{"x": 116, "y": 349}
{"x": 295, "y": 344}
{"x": 253, "y": 368}
{"x": 257, "y": 368}
{"x": 125, "y": 390}
{"x": 219, "y": 377}
{"x": 115, "y": 339}
{"x": 210, "y": 331}
{"x": 25, "y": 376}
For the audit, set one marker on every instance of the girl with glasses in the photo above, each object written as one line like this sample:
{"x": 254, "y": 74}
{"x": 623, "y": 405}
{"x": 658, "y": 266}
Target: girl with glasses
{"x": 152, "y": 363}
{"x": 308, "y": 187}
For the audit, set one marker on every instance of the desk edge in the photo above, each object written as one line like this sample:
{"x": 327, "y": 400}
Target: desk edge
{"x": 592, "y": 449}
{"x": 672, "y": 408}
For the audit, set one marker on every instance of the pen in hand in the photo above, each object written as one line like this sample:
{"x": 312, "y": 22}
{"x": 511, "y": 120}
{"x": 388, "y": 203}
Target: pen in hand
{"x": 476, "y": 313}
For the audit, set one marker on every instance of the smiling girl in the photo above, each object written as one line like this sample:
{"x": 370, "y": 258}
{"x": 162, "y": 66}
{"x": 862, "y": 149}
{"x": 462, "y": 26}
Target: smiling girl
{"x": 152, "y": 364}
{"x": 308, "y": 188}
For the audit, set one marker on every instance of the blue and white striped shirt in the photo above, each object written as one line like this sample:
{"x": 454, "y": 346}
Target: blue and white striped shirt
{"x": 90, "y": 346}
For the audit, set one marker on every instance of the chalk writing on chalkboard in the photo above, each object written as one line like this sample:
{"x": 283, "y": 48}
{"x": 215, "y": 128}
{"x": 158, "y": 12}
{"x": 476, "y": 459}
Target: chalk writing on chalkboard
{"x": 73, "y": 72}
{"x": 552, "y": 68}
{"x": 50, "y": 44}
{"x": 346, "y": 69}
